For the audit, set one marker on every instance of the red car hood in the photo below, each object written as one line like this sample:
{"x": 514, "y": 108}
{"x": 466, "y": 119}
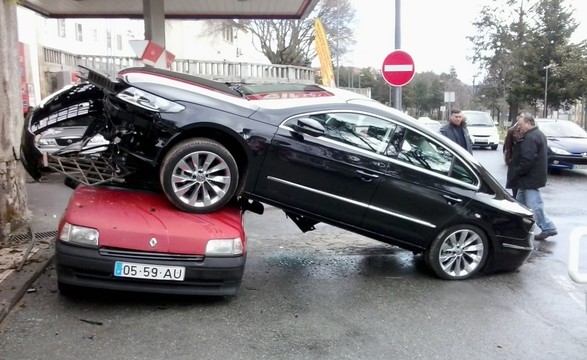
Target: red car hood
{"x": 129, "y": 219}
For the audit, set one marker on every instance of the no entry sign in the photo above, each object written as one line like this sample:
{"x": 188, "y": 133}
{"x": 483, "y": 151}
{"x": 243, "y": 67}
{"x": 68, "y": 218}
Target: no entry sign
{"x": 398, "y": 68}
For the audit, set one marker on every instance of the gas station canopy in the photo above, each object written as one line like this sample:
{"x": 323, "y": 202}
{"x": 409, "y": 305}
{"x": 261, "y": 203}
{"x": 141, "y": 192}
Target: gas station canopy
{"x": 174, "y": 9}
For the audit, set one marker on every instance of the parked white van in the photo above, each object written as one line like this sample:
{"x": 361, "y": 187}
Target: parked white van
{"x": 482, "y": 129}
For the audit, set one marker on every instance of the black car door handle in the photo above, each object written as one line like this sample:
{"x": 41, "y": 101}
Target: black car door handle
{"x": 452, "y": 200}
{"x": 367, "y": 176}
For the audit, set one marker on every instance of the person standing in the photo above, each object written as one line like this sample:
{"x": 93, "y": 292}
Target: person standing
{"x": 529, "y": 169}
{"x": 509, "y": 146}
{"x": 456, "y": 130}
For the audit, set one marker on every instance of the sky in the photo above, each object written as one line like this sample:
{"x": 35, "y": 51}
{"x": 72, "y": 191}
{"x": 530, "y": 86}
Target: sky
{"x": 433, "y": 32}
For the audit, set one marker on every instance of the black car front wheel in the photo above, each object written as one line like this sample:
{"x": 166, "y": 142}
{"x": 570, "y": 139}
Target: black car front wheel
{"x": 458, "y": 252}
{"x": 199, "y": 175}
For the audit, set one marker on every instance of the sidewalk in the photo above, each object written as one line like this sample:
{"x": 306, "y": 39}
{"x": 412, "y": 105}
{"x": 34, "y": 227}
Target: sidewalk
{"x": 46, "y": 202}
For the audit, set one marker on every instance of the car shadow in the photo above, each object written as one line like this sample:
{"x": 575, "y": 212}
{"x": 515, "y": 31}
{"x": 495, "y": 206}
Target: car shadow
{"x": 111, "y": 298}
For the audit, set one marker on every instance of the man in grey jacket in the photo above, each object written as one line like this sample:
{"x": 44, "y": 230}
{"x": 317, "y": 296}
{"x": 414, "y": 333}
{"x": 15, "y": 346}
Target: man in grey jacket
{"x": 456, "y": 130}
{"x": 529, "y": 169}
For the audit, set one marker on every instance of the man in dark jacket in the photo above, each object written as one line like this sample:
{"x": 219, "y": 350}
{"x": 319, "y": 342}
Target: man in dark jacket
{"x": 456, "y": 130}
{"x": 528, "y": 169}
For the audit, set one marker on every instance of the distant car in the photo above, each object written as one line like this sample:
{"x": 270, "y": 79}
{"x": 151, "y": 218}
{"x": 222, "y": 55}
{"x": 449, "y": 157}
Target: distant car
{"x": 131, "y": 240}
{"x": 432, "y": 124}
{"x": 567, "y": 144}
{"x": 482, "y": 129}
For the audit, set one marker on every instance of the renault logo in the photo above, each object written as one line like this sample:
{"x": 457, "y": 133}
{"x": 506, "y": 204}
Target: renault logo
{"x": 153, "y": 242}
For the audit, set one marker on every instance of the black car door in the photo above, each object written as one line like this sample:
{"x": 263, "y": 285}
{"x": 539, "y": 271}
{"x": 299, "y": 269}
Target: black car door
{"x": 424, "y": 186}
{"x": 330, "y": 171}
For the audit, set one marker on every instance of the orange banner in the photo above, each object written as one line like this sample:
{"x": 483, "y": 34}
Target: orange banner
{"x": 323, "y": 52}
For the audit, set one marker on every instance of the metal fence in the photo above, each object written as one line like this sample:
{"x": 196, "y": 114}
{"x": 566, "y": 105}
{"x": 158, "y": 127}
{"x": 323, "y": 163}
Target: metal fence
{"x": 57, "y": 60}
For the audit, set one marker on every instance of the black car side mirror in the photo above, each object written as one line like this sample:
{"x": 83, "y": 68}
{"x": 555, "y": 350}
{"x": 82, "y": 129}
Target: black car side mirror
{"x": 309, "y": 126}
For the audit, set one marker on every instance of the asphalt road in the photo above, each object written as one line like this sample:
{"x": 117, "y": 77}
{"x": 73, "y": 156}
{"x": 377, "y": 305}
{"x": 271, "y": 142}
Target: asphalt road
{"x": 329, "y": 294}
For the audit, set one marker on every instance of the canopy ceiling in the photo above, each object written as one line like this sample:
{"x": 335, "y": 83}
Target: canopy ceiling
{"x": 174, "y": 9}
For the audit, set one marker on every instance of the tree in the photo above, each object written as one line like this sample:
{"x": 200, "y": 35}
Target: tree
{"x": 567, "y": 62}
{"x": 291, "y": 42}
{"x": 515, "y": 41}
{"x": 13, "y": 207}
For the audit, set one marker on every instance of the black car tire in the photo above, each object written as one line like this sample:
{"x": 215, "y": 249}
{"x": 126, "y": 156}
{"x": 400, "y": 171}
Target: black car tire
{"x": 203, "y": 187}
{"x": 493, "y": 147}
{"x": 458, "y": 253}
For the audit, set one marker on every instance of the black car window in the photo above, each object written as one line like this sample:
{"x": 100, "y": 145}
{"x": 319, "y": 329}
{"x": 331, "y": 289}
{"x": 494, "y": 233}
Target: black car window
{"x": 359, "y": 130}
{"x": 461, "y": 173}
{"x": 418, "y": 150}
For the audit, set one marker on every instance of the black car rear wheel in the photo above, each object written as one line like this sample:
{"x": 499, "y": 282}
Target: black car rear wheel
{"x": 458, "y": 253}
{"x": 199, "y": 176}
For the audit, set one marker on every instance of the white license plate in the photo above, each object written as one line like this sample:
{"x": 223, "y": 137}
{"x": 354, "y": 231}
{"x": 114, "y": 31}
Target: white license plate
{"x": 580, "y": 167}
{"x": 149, "y": 271}
{"x": 481, "y": 141}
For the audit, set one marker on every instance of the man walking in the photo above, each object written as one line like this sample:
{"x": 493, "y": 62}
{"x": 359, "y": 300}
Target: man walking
{"x": 456, "y": 130}
{"x": 529, "y": 170}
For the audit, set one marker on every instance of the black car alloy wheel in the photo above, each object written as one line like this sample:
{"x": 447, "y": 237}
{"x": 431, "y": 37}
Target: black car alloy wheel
{"x": 458, "y": 252}
{"x": 199, "y": 175}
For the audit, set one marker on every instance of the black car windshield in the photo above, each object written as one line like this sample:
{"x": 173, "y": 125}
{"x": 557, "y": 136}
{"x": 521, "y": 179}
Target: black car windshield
{"x": 478, "y": 119}
{"x": 561, "y": 128}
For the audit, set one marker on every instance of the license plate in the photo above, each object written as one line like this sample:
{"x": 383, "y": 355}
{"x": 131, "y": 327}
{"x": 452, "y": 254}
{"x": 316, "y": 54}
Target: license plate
{"x": 149, "y": 271}
{"x": 580, "y": 167}
{"x": 481, "y": 141}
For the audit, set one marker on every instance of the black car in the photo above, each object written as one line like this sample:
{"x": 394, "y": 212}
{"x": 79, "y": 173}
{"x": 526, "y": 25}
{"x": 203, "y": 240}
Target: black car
{"x": 320, "y": 154}
{"x": 567, "y": 144}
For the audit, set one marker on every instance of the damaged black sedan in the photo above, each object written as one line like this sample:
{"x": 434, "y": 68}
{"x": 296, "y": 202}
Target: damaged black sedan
{"x": 320, "y": 154}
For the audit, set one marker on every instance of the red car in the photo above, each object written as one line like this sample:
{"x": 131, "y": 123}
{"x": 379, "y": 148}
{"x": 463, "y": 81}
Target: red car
{"x": 132, "y": 240}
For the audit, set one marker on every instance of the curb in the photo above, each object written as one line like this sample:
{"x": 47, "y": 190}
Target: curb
{"x": 15, "y": 286}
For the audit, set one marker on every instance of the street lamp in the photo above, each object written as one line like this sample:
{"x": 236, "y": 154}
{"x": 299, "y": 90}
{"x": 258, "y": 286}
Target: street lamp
{"x": 546, "y": 90}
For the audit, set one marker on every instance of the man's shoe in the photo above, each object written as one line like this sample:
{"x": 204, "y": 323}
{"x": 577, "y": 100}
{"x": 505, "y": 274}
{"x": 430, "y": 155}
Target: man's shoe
{"x": 543, "y": 235}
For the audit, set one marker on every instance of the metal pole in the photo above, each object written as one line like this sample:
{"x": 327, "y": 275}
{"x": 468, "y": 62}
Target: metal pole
{"x": 398, "y": 89}
{"x": 337, "y": 48}
{"x": 546, "y": 92}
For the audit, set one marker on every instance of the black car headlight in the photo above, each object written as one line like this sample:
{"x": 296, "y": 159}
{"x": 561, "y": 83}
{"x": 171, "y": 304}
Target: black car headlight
{"x": 148, "y": 101}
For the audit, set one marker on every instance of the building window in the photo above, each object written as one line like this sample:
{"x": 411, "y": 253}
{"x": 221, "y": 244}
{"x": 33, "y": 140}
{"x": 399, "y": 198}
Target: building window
{"x": 119, "y": 42}
{"x": 108, "y": 40}
{"x": 228, "y": 33}
{"x": 78, "y": 32}
{"x": 61, "y": 28}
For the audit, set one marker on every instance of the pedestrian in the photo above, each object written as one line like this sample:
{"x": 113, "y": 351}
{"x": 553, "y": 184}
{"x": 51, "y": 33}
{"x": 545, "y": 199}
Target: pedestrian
{"x": 529, "y": 171}
{"x": 456, "y": 130}
{"x": 509, "y": 146}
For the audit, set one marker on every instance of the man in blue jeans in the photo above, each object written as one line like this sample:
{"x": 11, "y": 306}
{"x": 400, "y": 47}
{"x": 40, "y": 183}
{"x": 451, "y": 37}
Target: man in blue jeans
{"x": 529, "y": 169}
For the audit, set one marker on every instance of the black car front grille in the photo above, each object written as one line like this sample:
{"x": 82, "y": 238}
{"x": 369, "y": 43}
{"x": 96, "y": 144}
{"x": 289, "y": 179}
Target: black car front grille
{"x": 143, "y": 255}
{"x": 66, "y": 142}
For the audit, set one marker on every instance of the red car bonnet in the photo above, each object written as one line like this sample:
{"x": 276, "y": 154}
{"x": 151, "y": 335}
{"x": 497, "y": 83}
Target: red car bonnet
{"x": 129, "y": 219}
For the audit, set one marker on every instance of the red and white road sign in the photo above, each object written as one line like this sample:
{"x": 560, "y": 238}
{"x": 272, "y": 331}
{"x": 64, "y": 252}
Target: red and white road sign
{"x": 398, "y": 68}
